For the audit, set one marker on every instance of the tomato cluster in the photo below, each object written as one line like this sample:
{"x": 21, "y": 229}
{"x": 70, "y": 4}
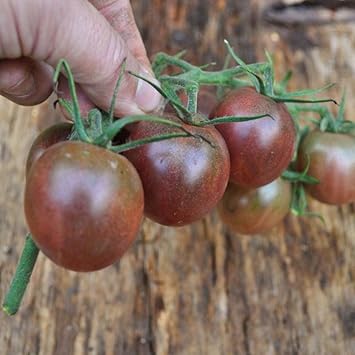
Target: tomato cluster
{"x": 93, "y": 200}
{"x": 241, "y": 149}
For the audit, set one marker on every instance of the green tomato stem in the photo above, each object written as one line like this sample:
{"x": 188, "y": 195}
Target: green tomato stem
{"x": 162, "y": 60}
{"x": 220, "y": 92}
{"x": 192, "y": 92}
{"x": 67, "y": 105}
{"x": 269, "y": 74}
{"x": 254, "y": 77}
{"x": 167, "y": 93}
{"x": 115, "y": 92}
{"x": 21, "y": 278}
{"x": 225, "y": 77}
{"x": 79, "y": 125}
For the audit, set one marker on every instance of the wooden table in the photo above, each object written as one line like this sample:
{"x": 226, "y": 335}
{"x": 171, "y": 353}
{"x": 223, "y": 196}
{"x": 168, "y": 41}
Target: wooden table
{"x": 199, "y": 289}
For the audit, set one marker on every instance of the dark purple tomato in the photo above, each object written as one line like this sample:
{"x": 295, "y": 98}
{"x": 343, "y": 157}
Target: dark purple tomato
{"x": 250, "y": 211}
{"x": 183, "y": 178}
{"x": 260, "y": 149}
{"x": 332, "y": 162}
{"x": 206, "y": 102}
{"x": 51, "y": 135}
{"x": 83, "y": 205}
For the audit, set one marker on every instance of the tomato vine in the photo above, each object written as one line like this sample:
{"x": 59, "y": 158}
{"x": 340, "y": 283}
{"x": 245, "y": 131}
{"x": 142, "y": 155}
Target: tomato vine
{"x": 252, "y": 138}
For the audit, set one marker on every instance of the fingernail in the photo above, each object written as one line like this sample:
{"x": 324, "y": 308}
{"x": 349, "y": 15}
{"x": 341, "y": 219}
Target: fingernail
{"x": 24, "y": 87}
{"x": 147, "y": 97}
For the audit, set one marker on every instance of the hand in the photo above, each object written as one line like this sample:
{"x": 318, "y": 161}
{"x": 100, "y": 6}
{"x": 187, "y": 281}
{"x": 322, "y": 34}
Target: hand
{"x": 93, "y": 36}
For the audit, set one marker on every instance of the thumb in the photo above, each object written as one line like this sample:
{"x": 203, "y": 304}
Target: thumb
{"x": 76, "y": 31}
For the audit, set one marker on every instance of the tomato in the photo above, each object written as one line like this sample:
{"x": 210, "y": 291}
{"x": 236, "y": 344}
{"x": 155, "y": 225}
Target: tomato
{"x": 332, "y": 162}
{"x": 250, "y": 211}
{"x": 51, "y": 135}
{"x": 260, "y": 149}
{"x": 206, "y": 102}
{"x": 83, "y": 205}
{"x": 183, "y": 178}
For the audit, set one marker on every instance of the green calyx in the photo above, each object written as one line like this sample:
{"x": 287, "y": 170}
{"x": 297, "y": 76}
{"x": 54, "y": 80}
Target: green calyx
{"x": 325, "y": 121}
{"x": 100, "y": 128}
{"x": 300, "y": 179}
{"x": 299, "y": 202}
{"x": 264, "y": 82}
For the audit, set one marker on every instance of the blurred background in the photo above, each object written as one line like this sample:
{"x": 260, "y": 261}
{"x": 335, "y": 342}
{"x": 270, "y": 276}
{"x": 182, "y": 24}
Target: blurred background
{"x": 200, "y": 289}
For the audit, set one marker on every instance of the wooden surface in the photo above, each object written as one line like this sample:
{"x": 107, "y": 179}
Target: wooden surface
{"x": 198, "y": 289}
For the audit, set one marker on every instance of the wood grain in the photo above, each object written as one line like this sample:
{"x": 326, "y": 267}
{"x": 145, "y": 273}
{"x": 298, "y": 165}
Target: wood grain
{"x": 198, "y": 289}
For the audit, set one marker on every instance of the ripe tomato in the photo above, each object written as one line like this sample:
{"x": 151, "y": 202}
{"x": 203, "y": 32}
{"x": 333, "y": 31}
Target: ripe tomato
{"x": 51, "y": 135}
{"x": 183, "y": 178}
{"x": 260, "y": 149}
{"x": 332, "y": 162}
{"x": 83, "y": 205}
{"x": 250, "y": 211}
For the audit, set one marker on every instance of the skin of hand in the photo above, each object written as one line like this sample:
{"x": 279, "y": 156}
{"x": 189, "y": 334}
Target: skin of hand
{"x": 93, "y": 36}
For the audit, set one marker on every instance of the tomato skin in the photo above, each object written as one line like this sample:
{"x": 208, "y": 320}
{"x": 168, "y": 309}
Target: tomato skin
{"x": 261, "y": 149}
{"x": 51, "y": 135}
{"x": 332, "y": 162}
{"x": 250, "y": 211}
{"x": 183, "y": 178}
{"x": 83, "y": 205}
